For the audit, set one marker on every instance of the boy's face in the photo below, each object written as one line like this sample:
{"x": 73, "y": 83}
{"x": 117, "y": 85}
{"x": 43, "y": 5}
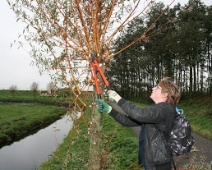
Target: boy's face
{"x": 157, "y": 96}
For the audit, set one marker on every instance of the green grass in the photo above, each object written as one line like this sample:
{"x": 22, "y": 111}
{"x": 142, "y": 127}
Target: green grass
{"x": 121, "y": 144}
{"x": 199, "y": 113}
{"x": 19, "y": 120}
{"x": 119, "y": 147}
{"x": 29, "y": 97}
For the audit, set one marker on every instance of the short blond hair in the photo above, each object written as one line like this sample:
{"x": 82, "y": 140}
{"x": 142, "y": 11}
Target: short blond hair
{"x": 168, "y": 86}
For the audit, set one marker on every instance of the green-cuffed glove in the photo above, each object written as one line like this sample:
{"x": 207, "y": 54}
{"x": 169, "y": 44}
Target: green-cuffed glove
{"x": 113, "y": 96}
{"x": 103, "y": 107}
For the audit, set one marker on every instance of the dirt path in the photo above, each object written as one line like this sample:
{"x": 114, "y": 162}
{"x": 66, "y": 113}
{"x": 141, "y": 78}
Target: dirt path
{"x": 201, "y": 152}
{"x": 203, "y": 146}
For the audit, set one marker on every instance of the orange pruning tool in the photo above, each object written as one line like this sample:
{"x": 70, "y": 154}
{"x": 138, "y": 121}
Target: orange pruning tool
{"x": 95, "y": 70}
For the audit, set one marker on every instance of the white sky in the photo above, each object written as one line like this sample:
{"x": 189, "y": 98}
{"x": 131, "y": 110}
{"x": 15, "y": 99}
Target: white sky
{"x": 15, "y": 64}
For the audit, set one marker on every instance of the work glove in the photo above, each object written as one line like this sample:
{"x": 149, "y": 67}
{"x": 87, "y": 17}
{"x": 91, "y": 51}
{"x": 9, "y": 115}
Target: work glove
{"x": 113, "y": 96}
{"x": 103, "y": 107}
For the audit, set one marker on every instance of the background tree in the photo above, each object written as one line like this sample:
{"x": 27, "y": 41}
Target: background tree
{"x": 34, "y": 87}
{"x": 13, "y": 89}
{"x": 207, "y": 46}
{"x": 136, "y": 69}
{"x": 51, "y": 88}
{"x": 182, "y": 50}
{"x": 191, "y": 38}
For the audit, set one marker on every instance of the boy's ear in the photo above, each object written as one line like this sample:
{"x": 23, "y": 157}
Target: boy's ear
{"x": 165, "y": 95}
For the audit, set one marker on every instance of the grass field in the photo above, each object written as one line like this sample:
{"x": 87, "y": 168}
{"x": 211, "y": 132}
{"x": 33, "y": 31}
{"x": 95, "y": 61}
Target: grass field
{"x": 31, "y": 97}
{"x": 25, "y": 117}
{"x": 199, "y": 113}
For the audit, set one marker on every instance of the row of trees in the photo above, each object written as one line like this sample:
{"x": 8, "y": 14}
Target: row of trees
{"x": 51, "y": 88}
{"x": 180, "y": 46}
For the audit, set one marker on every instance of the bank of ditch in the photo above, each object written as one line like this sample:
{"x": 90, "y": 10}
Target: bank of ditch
{"x": 20, "y": 120}
{"x": 119, "y": 147}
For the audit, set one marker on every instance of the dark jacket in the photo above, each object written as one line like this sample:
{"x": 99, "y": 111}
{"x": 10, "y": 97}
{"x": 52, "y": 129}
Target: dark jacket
{"x": 157, "y": 121}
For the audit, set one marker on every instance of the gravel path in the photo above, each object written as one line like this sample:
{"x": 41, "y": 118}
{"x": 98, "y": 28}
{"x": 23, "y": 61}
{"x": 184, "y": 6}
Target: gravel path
{"x": 203, "y": 146}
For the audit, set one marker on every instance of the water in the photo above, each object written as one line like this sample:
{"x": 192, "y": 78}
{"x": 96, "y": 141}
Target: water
{"x": 30, "y": 152}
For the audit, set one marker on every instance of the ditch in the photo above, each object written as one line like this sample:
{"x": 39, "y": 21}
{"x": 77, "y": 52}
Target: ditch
{"x": 31, "y": 151}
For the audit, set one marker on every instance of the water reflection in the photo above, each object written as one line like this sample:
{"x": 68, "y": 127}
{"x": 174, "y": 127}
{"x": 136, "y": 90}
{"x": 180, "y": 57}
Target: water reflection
{"x": 29, "y": 152}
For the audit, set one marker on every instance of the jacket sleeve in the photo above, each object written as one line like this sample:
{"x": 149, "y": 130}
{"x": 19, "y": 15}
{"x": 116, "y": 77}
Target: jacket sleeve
{"x": 156, "y": 113}
{"x": 123, "y": 119}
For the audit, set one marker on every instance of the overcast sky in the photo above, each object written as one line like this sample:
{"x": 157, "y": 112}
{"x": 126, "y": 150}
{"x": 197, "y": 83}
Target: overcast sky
{"x": 15, "y": 64}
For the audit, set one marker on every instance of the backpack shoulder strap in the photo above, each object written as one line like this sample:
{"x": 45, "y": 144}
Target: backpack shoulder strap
{"x": 170, "y": 121}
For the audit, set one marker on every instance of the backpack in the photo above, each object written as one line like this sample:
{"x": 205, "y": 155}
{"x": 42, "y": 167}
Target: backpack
{"x": 181, "y": 139}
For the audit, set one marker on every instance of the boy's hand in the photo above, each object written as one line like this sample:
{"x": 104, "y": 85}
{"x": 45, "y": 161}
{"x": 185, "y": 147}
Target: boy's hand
{"x": 103, "y": 107}
{"x": 113, "y": 96}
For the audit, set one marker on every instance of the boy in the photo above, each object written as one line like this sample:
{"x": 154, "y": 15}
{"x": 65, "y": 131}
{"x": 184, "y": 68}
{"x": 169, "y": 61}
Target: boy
{"x": 156, "y": 122}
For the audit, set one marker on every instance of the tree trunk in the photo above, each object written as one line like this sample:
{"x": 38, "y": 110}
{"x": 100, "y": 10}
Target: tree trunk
{"x": 95, "y": 133}
{"x": 190, "y": 81}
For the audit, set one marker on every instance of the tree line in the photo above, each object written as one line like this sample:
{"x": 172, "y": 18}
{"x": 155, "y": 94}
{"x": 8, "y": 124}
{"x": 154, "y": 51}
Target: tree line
{"x": 51, "y": 88}
{"x": 179, "y": 46}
